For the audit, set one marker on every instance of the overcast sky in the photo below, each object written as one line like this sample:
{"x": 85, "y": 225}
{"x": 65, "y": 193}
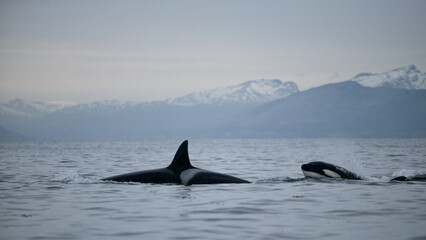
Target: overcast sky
{"x": 82, "y": 51}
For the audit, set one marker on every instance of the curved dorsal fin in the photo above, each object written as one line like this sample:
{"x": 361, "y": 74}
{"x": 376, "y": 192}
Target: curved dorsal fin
{"x": 181, "y": 160}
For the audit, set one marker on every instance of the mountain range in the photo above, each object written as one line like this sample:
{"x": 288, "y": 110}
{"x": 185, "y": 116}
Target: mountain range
{"x": 391, "y": 104}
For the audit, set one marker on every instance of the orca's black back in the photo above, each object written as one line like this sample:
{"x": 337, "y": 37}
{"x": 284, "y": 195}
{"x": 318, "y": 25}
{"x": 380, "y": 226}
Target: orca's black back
{"x": 162, "y": 175}
{"x": 207, "y": 177}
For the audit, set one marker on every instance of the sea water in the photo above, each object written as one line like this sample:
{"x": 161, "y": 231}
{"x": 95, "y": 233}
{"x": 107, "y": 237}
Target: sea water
{"x": 51, "y": 190}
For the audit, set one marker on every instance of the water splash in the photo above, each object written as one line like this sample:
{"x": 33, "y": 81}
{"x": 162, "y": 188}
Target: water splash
{"x": 378, "y": 179}
{"x": 73, "y": 177}
{"x": 280, "y": 180}
{"x": 409, "y": 173}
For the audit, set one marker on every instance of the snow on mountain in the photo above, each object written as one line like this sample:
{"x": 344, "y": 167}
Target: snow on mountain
{"x": 19, "y": 107}
{"x": 105, "y": 104}
{"x": 256, "y": 91}
{"x": 408, "y": 77}
{"x": 22, "y": 108}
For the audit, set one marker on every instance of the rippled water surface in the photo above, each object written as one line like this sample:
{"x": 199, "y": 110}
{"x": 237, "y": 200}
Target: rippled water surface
{"x": 51, "y": 190}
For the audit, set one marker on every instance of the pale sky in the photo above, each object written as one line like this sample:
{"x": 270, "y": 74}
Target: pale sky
{"x": 83, "y": 51}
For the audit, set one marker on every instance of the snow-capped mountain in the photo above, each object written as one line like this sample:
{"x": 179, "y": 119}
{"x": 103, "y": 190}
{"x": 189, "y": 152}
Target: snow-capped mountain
{"x": 19, "y": 107}
{"x": 104, "y": 105}
{"x": 256, "y": 91}
{"x": 22, "y": 108}
{"x": 408, "y": 77}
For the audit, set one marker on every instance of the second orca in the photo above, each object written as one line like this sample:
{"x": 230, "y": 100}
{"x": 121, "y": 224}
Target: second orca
{"x": 328, "y": 170}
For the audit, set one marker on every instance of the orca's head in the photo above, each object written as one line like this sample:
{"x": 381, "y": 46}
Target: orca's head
{"x": 400, "y": 178}
{"x": 323, "y": 169}
{"x": 315, "y": 167}
{"x": 319, "y": 170}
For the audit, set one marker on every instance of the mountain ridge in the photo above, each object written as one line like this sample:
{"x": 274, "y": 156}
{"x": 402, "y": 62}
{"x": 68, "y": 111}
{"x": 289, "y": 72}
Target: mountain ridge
{"x": 249, "y": 92}
{"x": 408, "y": 77}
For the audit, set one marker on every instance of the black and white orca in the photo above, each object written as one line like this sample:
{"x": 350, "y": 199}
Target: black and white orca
{"x": 419, "y": 178}
{"x": 180, "y": 171}
{"x": 327, "y": 170}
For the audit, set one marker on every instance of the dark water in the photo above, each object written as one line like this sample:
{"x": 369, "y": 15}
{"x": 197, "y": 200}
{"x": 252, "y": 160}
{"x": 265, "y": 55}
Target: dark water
{"x": 50, "y": 190}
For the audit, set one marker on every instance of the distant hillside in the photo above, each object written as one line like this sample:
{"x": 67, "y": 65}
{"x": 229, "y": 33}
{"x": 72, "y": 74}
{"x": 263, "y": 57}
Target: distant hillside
{"x": 338, "y": 110}
{"x": 7, "y": 135}
{"x": 21, "y": 108}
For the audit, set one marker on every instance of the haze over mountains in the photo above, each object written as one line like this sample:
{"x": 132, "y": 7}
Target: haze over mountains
{"x": 391, "y": 104}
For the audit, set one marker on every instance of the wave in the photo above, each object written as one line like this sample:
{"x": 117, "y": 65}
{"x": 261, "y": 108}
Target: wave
{"x": 409, "y": 173}
{"x": 280, "y": 180}
{"x": 71, "y": 176}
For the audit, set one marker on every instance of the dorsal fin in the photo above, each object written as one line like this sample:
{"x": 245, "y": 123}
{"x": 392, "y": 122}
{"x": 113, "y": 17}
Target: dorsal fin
{"x": 181, "y": 160}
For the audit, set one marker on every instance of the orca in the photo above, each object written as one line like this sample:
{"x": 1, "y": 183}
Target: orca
{"x": 419, "y": 178}
{"x": 327, "y": 170}
{"x": 180, "y": 171}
